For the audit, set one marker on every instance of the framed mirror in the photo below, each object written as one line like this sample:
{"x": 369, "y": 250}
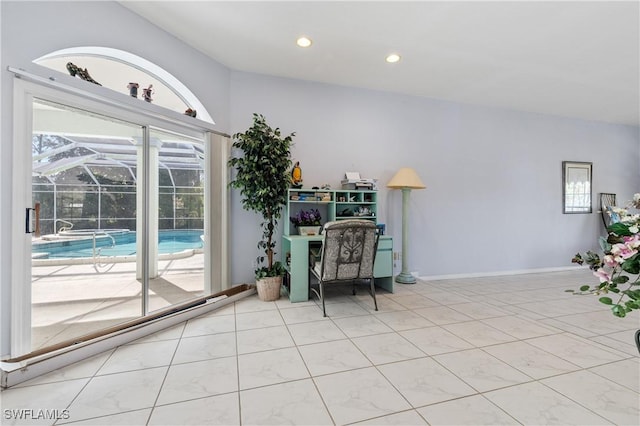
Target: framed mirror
{"x": 576, "y": 187}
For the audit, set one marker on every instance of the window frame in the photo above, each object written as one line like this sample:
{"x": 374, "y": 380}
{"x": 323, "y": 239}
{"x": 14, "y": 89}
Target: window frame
{"x": 585, "y": 169}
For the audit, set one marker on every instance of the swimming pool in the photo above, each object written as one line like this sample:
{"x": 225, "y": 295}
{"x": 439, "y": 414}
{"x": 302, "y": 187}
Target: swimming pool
{"x": 115, "y": 243}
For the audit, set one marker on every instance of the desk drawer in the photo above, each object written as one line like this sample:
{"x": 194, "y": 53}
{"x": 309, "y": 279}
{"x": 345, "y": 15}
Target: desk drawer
{"x": 384, "y": 259}
{"x": 385, "y": 243}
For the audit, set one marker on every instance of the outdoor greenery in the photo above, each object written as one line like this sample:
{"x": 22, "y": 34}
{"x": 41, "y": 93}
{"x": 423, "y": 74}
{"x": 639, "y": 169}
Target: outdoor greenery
{"x": 263, "y": 180}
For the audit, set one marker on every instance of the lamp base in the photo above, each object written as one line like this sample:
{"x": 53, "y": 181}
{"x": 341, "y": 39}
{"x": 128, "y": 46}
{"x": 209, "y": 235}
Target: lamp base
{"x": 405, "y": 278}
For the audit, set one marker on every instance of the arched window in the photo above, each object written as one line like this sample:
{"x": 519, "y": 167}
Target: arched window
{"x": 116, "y": 69}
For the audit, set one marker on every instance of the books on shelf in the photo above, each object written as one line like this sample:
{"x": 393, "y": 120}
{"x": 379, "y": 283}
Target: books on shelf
{"x": 309, "y": 196}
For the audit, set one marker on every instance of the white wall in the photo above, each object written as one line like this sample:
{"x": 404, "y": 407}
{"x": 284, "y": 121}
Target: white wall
{"x": 493, "y": 197}
{"x": 32, "y": 29}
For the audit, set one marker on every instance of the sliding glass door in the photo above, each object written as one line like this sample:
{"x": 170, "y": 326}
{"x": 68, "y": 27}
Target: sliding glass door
{"x": 117, "y": 221}
{"x": 85, "y": 192}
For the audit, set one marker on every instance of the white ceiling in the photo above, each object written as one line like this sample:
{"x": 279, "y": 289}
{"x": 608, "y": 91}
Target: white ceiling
{"x": 574, "y": 59}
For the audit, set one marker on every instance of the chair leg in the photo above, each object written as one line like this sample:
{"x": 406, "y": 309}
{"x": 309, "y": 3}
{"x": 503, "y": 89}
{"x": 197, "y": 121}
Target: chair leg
{"x": 324, "y": 312}
{"x": 373, "y": 293}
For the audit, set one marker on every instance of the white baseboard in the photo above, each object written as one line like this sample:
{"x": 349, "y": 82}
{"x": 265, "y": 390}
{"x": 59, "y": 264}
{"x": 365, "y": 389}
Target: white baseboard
{"x": 499, "y": 273}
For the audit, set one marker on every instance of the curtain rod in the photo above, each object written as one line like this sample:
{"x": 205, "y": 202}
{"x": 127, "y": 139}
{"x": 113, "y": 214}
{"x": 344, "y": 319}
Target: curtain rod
{"x": 109, "y": 98}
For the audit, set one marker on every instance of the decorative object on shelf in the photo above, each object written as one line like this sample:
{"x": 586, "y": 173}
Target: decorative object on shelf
{"x": 406, "y": 179}
{"x": 146, "y": 93}
{"x": 618, "y": 269}
{"x": 308, "y": 222}
{"x": 326, "y": 186}
{"x": 191, "y": 112}
{"x": 133, "y": 89}
{"x": 362, "y": 211}
{"x": 296, "y": 176}
{"x": 263, "y": 180}
{"x": 75, "y": 70}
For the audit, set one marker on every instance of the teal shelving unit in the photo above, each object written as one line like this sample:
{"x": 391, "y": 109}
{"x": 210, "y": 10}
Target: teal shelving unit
{"x": 332, "y": 205}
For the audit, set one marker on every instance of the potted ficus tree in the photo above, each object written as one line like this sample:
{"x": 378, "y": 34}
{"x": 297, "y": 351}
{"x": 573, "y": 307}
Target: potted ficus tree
{"x": 263, "y": 180}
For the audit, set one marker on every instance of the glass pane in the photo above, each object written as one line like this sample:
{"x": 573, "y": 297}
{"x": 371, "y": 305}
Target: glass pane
{"x": 84, "y": 273}
{"x": 177, "y": 208}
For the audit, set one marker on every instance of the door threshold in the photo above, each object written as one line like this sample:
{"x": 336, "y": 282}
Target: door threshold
{"x": 20, "y": 369}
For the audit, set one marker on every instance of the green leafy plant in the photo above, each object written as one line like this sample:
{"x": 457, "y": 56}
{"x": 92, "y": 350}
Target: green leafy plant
{"x": 263, "y": 180}
{"x": 619, "y": 266}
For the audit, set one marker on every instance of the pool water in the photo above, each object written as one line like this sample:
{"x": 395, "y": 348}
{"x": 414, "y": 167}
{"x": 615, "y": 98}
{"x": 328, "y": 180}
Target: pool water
{"x": 171, "y": 241}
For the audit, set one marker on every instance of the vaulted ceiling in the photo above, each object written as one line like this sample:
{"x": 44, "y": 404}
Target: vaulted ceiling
{"x": 575, "y": 59}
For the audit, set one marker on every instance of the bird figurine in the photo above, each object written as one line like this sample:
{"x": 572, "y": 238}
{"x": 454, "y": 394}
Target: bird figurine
{"x": 296, "y": 175}
{"x": 74, "y": 70}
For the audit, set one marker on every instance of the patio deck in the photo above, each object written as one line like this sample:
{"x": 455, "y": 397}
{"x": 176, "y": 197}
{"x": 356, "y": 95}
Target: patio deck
{"x": 72, "y": 300}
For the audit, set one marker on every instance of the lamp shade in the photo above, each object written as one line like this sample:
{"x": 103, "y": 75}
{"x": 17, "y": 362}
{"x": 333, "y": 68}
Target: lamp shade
{"x": 406, "y": 178}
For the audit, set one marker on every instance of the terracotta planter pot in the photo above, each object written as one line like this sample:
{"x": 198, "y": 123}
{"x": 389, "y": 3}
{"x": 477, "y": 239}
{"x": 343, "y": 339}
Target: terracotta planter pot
{"x": 269, "y": 288}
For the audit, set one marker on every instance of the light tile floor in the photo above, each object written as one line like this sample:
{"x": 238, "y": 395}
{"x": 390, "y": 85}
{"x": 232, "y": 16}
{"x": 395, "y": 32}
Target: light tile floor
{"x": 499, "y": 350}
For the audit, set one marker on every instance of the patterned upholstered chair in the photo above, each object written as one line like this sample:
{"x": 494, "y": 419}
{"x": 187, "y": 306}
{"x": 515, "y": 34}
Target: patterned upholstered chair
{"x": 347, "y": 255}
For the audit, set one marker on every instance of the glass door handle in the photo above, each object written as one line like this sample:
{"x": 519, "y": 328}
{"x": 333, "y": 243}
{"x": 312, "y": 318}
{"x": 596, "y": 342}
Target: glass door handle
{"x": 28, "y": 219}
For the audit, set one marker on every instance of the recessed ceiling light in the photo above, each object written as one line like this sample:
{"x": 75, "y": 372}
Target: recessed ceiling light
{"x": 393, "y": 58}
{"x": 303, "y": 42}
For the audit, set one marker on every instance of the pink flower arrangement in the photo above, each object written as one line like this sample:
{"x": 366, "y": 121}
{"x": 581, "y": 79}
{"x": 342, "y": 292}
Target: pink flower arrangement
{"x": 620, "y": 264}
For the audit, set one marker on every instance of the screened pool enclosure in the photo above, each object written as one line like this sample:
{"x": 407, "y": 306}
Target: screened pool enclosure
{"x": 89, "y": 182}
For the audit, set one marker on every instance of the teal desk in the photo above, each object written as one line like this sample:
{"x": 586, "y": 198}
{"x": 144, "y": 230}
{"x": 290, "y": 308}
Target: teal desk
{"x": 296, "y": 249}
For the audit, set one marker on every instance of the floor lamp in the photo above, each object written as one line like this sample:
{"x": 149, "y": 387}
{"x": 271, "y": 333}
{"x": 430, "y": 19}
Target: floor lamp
{"x": 406, "y": 179}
